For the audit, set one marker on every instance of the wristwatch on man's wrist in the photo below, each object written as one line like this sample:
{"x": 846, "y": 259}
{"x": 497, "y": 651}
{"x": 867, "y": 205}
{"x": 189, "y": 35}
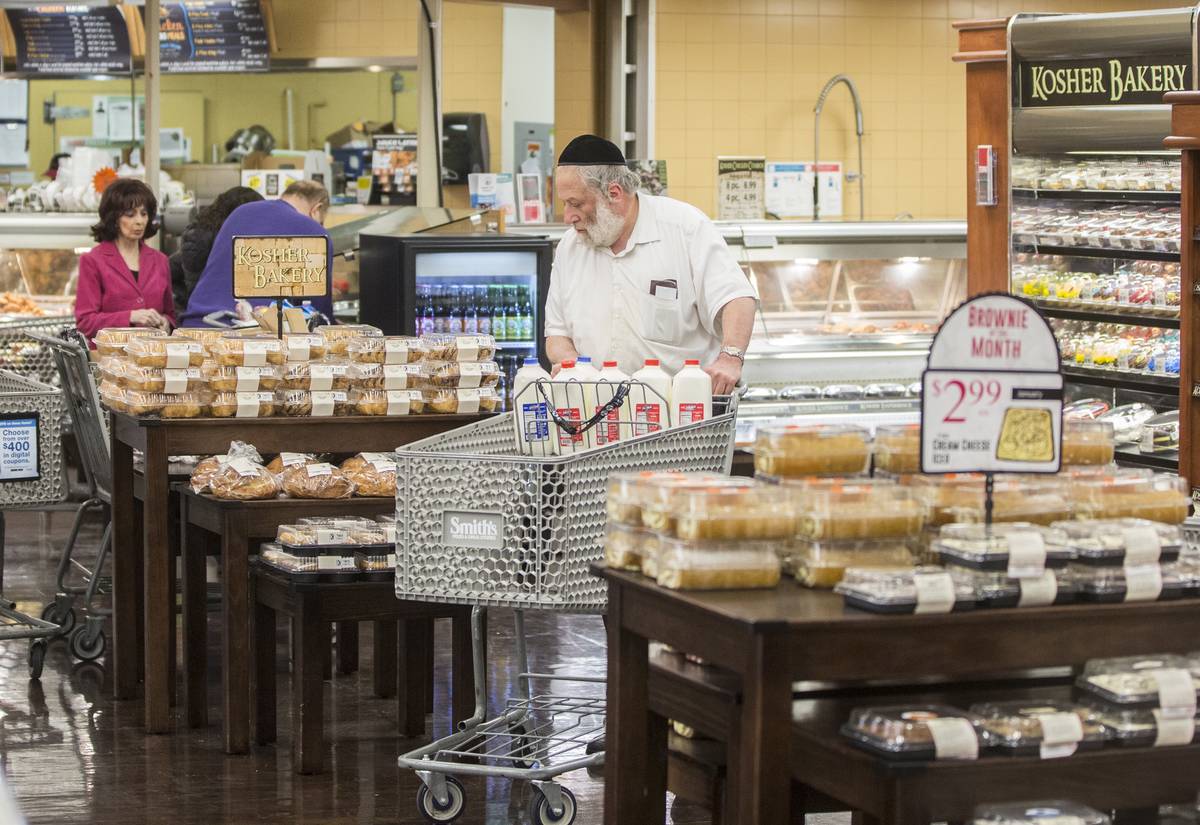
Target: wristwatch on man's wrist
{"x": 739, "y": 354}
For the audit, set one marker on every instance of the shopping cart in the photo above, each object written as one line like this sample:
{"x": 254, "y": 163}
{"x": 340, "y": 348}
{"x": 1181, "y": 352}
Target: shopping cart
{"x": 23, "y": 349}
{"x": 480, "y": 523}
{"x": 28, "y": 410}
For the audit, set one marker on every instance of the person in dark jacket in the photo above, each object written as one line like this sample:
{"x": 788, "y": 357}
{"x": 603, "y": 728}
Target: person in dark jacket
{"x": 188, "y": 262}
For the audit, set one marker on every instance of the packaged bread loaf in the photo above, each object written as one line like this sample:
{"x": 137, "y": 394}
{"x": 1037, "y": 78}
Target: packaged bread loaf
{"x": 450, "y": 347}
{"x": 387, "y": 402}
{"x": 315, "y": 404}
{"x": 243, "y": 405}
{"x": 169, "y": 381}
{"x": 241, "y": 379}
{"x": 465, "y": 374}
{"x": 112, "y": 340}
{"x": 386, "y": 376}
{"x": 1132, "y": 494}
{"x": 163, "y": 351}
{"x": 338, "y": 336}
{"x": 389, "y": 349}
{"x": 243, "y": 480}
{"x": 465, "y": 402}
{"x": 322, "y": 376}
{"x": 853, "y": 508}
{"x": 791, "y": 450}
{"x": 284, "y": 460}
{"x": 323, "y": 481}
{"x": 204, "y": 471}
{"x": 720, "y": 566}
{"x": 898, "y": 448}
{"x": 304, "y": 346}
{"x": 373, "y": 474}
{"x": 247, "y": 351}
{"x": 724, "y": 510}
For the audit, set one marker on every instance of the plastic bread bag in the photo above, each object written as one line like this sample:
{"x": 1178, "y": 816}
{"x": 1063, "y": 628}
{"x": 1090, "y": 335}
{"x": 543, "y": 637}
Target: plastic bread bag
{"x": 373, "y": 474}
{"x": 205, "y": 470}
{"x": 283, "y": 461}
{"x": 321, "y": 481}
{"x": 243, "y": 480}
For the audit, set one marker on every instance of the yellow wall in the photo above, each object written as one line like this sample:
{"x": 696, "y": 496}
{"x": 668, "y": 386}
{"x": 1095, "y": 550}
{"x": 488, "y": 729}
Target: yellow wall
{"x": 742, "y": 77}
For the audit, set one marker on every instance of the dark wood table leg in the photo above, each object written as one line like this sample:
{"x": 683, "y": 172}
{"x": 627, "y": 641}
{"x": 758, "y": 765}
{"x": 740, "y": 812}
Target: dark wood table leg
{"x": 628, "y": 758}
{"x": 192, "y": 545}
{"x": 235, "y": 657}
{"x": 763, "y": 766}
{"x": 126, "y": 655}
{"x": 174, "y": 553}
{"x": 429, "y": 678}
{"x": 159, "y": 587}
{"x": 657, "y": 734}
{"x": 347, "y": 648}
{"x": 462, "y": 668}
{"x": 265, "y": 702}
{"x": 412, "y": 678}
{"x": 311, "y": 640}
{"x": 384, "y": 643}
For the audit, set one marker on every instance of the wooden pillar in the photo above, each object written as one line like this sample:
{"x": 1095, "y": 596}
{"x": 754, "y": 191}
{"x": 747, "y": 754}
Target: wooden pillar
{"x": 1185, "y": 136}
{"x": 983, "y": 47}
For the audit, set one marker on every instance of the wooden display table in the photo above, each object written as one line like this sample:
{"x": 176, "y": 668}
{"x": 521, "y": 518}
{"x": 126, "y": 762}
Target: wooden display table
{"x": 772, "y": 638}
{"x": 143, "y": 566}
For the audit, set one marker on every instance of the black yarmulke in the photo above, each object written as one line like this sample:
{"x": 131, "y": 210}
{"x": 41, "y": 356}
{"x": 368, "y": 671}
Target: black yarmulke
{"x": 591, "y": 150}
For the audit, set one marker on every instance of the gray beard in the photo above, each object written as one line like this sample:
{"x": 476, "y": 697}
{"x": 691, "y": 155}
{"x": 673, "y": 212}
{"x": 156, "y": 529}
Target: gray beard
{"x": 604, "y": 231}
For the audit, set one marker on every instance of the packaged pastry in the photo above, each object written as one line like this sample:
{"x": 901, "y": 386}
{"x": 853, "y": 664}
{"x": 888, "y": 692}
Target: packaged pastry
{"x": 1140, "y": 583}
{"x": 339, "y": 567}
{"x": 303, "y": 346}
{"x": 998, "y": 589}
{"x": 347, "y": 523}
{"x": 790, "y": 450}
{"x": 375, "y": 566}
{"x": 321, "y": 376}
{"x": 1018, "y": 548}
{"x": 467, "y": 374}
{"x": 1033, "y": 727}
{"x": 248, "y": 351}
{"x": 205, "y": 336}
{"x": 181, "y": 405}
{"x": 463, "y": 402}
{"x": 315, "y": 404}
{"x": 800, "y": 392}
{"x": 323, "y": 481}
{"x": 1124, "y": 541}
{"x": 918, "y": 732}
{"x": 389, "y": 349}
{"x": 243, "y": 405}
{"x": 163, "y": 351}
{"x": 308, "y": 537}
{"x": 373, "y": 474}
{"x": 1086, "y": 409}
{"x": 628, "y": 493}
{"x": 284, "y": 460}
{"x": 1087, "y": 442}
{"x": 387, "y": 402}
{"x": 1050, "y": 812}
{"x": 884, "y": 391}
{"x": 898, "y": 448}
{"x": 338, "y": 336}
{"x": 112, "y": 340}
{"x": 906, "y": 590}
{"x": 961, "y": 497}
{"x": 1127, "y": 421}
{"x": 1146, "y": 727}
{"x": 450, "y": 347}
{"x": 167, "y": 381}
{"x": 822, "y": 564}
{"x": 242, "y": 480}
{"x": 856, "y": 509}
{"x": 385, "y": 376}
{"x": 204, "y": 470}
{"x": 241, "y": 379}
{"x": 734, "y": 565}
{"x": 1162, "y": 681}
{"x": 722, "y": 511}
{"x": 1161, "y": 433}
{"x": 1132, "y": 494}
{"x": 623, "y": 546}
{"x": 373, "y": 535}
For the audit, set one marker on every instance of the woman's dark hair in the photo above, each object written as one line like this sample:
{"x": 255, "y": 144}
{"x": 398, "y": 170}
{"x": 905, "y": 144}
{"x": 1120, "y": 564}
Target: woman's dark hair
{"x": 124, "y": 195}
{"x": 213, "y": 216}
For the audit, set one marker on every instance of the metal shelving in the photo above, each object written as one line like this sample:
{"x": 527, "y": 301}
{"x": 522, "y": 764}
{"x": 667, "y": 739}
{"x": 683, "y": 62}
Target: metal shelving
{"x": 1100, "y": 252}
{"x": 1108, "y": 316}
{"x": 1136, "y": 381}
{"x": 1107, "y": 195}
{"x": 1168, "y": 461}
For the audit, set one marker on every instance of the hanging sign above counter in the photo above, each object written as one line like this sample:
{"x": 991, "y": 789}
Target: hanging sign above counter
{"x": 1113, "y": 81}
{"x": 67, "y": 40}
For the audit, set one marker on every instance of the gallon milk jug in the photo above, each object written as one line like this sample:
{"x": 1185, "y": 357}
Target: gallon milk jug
{"x": 569, "y": 402}
{"x": 650, "y": 411}
{"x": 610, "y": 428}
{"x": 691, "y": 395}
{"x": 588, "y": 375}
{"x": 539, "y": 436}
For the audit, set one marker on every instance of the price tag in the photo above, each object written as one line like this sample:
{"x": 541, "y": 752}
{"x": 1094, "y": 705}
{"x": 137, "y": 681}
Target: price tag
{"x": 298, "y": 348}
{"x": 1026, "y": 554}
{"x": 1142, "y": 545}
{"x": 289, "y": 459}
{"x": 175, "y": 381}
{"x": 468, "y": 347}
{"x": 396, "y": 376}
{"x": 19, "y": 448}
{"x": 1143, "y": 583}
{"x": 399, "y": 401}
{"x": 1173, "y": 732}
{"x": 254, "y": 353}
{"x": 935, "y": 592}
{"x": 247, "y": 379}
{"x": 320, "y": 377}
{"x": 336, "y": 563}
{"x": 1038, "y": 591}
{"x": 322, "y": 404}
{"x": 1061, "y": 734}
{"x": 953, "y": 738}
{"x": 468, "y": 401}
{"x": 323, "y": 469}
{"x": 395, "y": 351}
{"x": 179, "y": 355}
{"x": 331, "y": 535}
{"x": 1176, "y": 692}
{"x": 470, "y": 374}
{"x": 247, "y": 405}
{"x": 244, "y": 467}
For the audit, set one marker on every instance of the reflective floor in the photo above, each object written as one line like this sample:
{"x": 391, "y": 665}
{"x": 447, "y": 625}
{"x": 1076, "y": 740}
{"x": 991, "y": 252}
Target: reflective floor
{"x": 73, "y": 755}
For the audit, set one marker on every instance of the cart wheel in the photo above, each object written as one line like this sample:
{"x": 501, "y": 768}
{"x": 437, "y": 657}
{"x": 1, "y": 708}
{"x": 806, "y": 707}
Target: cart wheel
{"x": 87, "y": 647}
{"x": 520, "y": 744}
{"x": 540, "y": 813}
{"x": 428, "y": 805}
{"x": 37, "y": 658}
{"x": 64, "y": 619}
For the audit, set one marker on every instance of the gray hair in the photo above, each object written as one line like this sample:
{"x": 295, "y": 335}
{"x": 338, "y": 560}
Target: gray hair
{"x": 599, "y": 178}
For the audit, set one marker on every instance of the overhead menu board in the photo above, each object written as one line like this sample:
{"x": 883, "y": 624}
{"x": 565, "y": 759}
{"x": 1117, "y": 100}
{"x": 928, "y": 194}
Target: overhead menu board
{"x": 213, "y": 36}
{"x": 70, "y": 39}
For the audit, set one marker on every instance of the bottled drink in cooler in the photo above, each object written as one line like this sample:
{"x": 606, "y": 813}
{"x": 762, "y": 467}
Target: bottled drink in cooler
{"x": 424, "y": 310}
{"x": 499, "y": 315}
{"x": 454, "y": 313}
{"x": 526, "y": 314}
{"x": 470, "y": 311}
{"x": 512, "y": 315}
{"x": 439, "y": 309}
{"x": 483, "y": 311}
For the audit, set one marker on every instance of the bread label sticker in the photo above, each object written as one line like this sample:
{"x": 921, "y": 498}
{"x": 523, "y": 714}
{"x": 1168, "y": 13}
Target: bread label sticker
{"x": 244, "y": 467}
{"x": 935, "y": 592}
{"x": 298, "y": 349}
{"x": 1026, "y": 554}
{"x": 383, "y": 465}
{"x": 247, "y": 405}
{"x": 328, "y": 535}
{"x": 391, "y": 560}
{"x": 1147, "y": 445}
{"x": 315, "y": 470}
{"x": 178, "y": 355}
{"x": 470, "y": 375}
{"x": 1172, "y": 732}
{"x": 468, "y": 402}
{"x": 396, "y": 376}
{"x": 1143, "y": 583}
{"x": 247, "y": 379}
{"x": 1142, "y": 545}
{"x": 953, "y": 738}
{"x": 395, "y": 351}
{"x": 468, "y": 348}
{"x": 254, "y": 353}
{"x": 1038, "y": 591}
{"x": 398, "y": 401}
{"x": 1061, "y": 734}
{"x": 336, "y": 563}
{"x": 320, "y": 377}
{"x": 1176, "y": 692}
{"x": 290, "y": 459}
{"x": 322, "y": 404}
{"x": 175, "y": 381}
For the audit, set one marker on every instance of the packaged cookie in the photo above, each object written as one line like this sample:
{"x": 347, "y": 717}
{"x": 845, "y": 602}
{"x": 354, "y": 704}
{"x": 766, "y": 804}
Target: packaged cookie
{"x": 163, "y": 351}
{"x": 167, "y": 381}
{"x": 204, "y": 470}
{"x": 1041, "y": 727}
{"x": 243, "y": 405}
{"x": 998, "y": 589}
{"x": 1125, "y": 541}
{"x": 791, "y": 450}
{"x": 321, "y": 481}
{"x": 303, "y": 346}
{"x": 623, "y": 546}
{"x": 918, "y": 732}
{"x": 822, "y": 564}
{"x": 1087, "y": 442}
{"x": 463, "y": 402}
{"x": 734, "y": 565}
{"x": 373, "y": 474}
{"x": 467, "y": 374}
{"x": 1132, "y": 494}
{"x": 386, "y": 349}
{"x": 375, "y": 566}
{"x": 1051, "y": 812}
{"x": 451, "y": 347}
{"x": 240, "y": 479}
{"x": 182, "y": 405}
{"x": 1140, "y": 583}
{"x": 112, "y": 396}
{"x": 387, "y": 402}
{"x": 855, "y": 509}
{"x": 284, "y": 460}
{"x": 906, "y": 590}
{"x": 1018, "y": 548}
{"x": 725, "y": 511}
{"x": 235, "y": 350}
{"x": 306, "y": 538}
{"x": 321, "y": 376}
{"x": 1147, "y": 727}
{"x": 385, "y": 376}
{"x": 315, "y": 404}
{"x": 338, "y": 336}
{"x": 897, "y": 448}
{"x": 327, "y": 567}
{"x": 112, "y": 340}
{"x": 241, "y": 379}
{"x": 205, "y": 336}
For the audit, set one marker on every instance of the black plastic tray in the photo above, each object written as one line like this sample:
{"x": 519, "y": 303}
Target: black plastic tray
{"x": 1115, "y": 558}
{"x": 921, "y": 754}
{"x": 860, "y": 603}
{"x": 1057, "y": 561}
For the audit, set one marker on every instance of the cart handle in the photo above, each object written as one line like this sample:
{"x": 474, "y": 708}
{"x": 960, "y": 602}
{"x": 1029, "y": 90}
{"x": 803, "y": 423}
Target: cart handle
{"x": 578, "y": 427}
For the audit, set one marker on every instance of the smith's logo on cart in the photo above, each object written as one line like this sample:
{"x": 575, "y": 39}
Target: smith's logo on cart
{"x": 1104, "y": 81}
{"x": 473, "y": 529}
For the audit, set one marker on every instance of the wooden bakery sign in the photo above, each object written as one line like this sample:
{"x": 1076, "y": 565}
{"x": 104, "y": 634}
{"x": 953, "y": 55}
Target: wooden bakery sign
{"x": 992, "y": 394}
{"x": 281, "y": 266}
{"x": 1112, "y": 81}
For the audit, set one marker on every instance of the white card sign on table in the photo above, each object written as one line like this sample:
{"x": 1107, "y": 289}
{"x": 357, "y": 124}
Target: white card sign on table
{"x": 992, "y": 394}
{"x": 19, "y": 447}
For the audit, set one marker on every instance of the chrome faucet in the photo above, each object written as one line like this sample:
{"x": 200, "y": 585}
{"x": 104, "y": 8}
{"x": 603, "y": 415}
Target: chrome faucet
{"x": 858, "y": 127}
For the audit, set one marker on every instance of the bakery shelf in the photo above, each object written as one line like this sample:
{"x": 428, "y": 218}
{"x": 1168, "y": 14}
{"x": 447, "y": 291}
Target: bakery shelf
{"x": 1108, "y": 314}
{"x": 1168, "y": 461}
{"x": 1135, "y": 381}
{"x": 1100, "y": 252}
{"x": 1103, "y": 195}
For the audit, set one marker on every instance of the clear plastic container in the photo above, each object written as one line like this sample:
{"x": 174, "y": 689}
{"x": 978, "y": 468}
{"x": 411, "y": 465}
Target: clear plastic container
{"x": 373, "y": 474}
{"x": 1087, "y": 442}
{"x": 181, "y": 405}
{"x": 464, "y": 402}
{"x": 906, "y": 590}
{"x": 1049, "y": 812}
{"x": 905, "y": 732}
{"x": 726, "y": 512}
{"x": 340, "y": 522}
{"x": 856, "y": 509}
{"x": 388, "y": 525}
{"x": 248, "y": 351}
{"x": 1122, "y": 541}
{"x": 467, "y": 374}
{"x": 244, "y": 405}
{"x": 627, "y": 492}
{"x": 241, "y": 379}
{"x": 1016, "y": 726}
{"x": 112, "y": 340}
{"x": 822, "y": 564}
{"x": 338, "y": 336}
{"x": 450, "y": 347}
{"x": 163, "y": 351}
{"x": 1145, "y": 727}
{"x": 1106, "y": 585}
{"x": 1017, "y": 547}
{"x": 387, "y": 402}
{"x": 205, "y": 336}
{"x": 304, "y": 346}
{"x": 315, "y": 404}
{"x": 168, "y": 381}
{"x": 898, "y": 448}
{"x": 309, "y": 537}
{"x": 375, "y": 536}
{"x": 1127, "y": 421}
{"x": 958, "y": 497}
{"x": 1086, "y": 408}
{"x": 1137, "y": 494}
{"x": 1187, "y": 569}
{"x": 112, "y": 396}
{"x": 389, "y": 349}
{"x": 997, "y": 589}
{"x": 735, "y": 565}
{"x": 791, "y": 450}
{"x": 326, "y": 568}
{"x": 656, "y": 509}
{"x": 1160, "y": 434}
{"x": 623, "y": 546}
{"x": 375, "y": 566}
{"x": 321, "y": 376}
{"x": 386, "y": 376}
{"x": 1141, "y": 681}
{"x": 318, "y": 481}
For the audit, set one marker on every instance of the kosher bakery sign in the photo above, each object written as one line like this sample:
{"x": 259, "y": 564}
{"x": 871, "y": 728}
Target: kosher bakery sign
{"x": 1109, "y": 81}
{"x": 281, "y": 266}
{"x": 992, "y": 394}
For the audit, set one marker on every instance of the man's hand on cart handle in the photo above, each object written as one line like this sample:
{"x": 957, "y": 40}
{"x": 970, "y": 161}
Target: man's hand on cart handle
{"x": 725, "y": 372}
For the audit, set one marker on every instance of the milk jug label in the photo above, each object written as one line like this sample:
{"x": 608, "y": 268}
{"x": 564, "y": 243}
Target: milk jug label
{"x": 609, "y": 428}
{"x": 647, "y": 418}
{"x": 565, "y": 439}
{"x": 690, "y": 413}
{"x": 535, "y": 419}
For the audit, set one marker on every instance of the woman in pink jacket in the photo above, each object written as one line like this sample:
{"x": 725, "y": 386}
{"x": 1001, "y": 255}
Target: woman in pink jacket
{"x": 122, "y": 281}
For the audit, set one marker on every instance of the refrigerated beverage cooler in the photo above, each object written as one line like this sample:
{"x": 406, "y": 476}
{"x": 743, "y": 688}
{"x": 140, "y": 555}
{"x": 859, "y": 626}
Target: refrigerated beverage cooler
{"x": 490, "y": 284}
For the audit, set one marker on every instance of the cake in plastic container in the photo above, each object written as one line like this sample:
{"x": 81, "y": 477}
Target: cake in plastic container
{"x": 822, "y": 564}
{"x": 1087, "y": 442}
{"x": 1122, "y": 541}
{"x": 1146, "y": 727}
{"x": 1023, "y": 727}
{"x": 1162, "y": 497}
{"x": 1049, "y": 812}
{"x": 926, "y": 589}
{"x": 791, "y": 450}
{"x": 1016, "y": 547}
{"x": 628, "y": 493}
{"x": 733, "y": 565}
{"x": 375, "y": 566}
{"x": 1142, "y": 681}
{"x": 856, "y": 509}
{"x": 1127, "y": 421}
{"x": 918, "y": 732}
{"x": 327, "y": 568}
{"x": 1140, "y": 583}
{"x": 721, "y": 510}
{"x": 959, "y": 497}
{"x": 898, "y": 448}
{"x": 310, "y": 537}
{"x": 998, "y": 589}
{"x": 623, "y": 546}
{"x": 1160, "y": 434}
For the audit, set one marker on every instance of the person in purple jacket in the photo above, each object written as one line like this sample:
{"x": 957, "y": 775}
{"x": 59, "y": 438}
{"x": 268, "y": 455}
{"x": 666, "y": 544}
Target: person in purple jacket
{"x": 299, "y": 211}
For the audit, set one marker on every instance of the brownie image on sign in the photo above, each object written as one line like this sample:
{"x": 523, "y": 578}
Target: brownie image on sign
{"x": 1027, "y": 434}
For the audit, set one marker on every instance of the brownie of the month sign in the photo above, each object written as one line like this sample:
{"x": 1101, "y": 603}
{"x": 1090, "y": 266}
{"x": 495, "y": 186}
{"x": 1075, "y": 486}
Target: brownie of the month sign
{"x": 280, "y": 266}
